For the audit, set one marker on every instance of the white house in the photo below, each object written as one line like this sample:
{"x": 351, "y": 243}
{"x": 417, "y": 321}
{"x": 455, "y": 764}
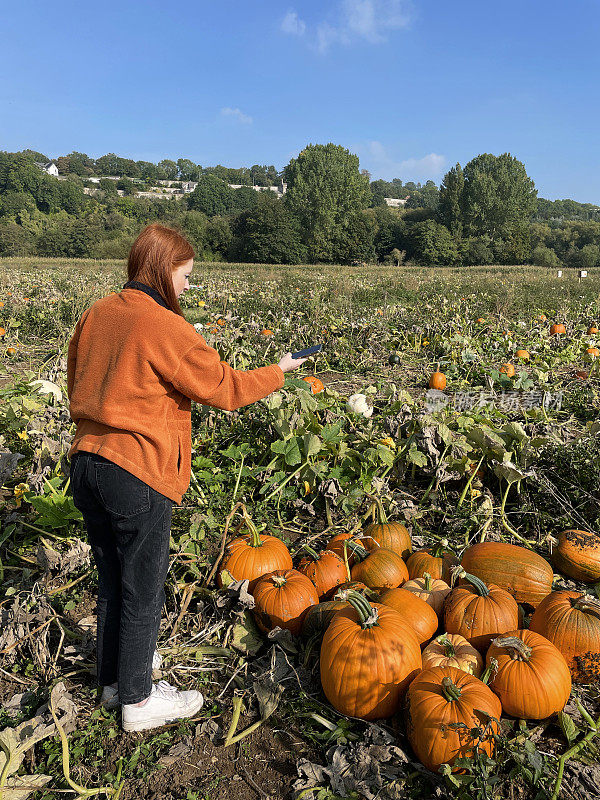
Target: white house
{"x": 395, "y": 202}
{"x": 48, "y": 167}
{"x": 279, "y": 190}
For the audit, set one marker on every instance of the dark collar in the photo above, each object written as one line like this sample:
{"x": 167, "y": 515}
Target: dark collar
{"x": 148, "y": 290}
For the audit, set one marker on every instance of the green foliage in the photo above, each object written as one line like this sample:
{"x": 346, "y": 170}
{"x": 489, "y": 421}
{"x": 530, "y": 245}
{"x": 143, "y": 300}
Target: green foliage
{"x": 268, "y": 234}
{"x": 432, "y": 243}
{"x": 325, "y": 187}
{"x": 450, "y": 210}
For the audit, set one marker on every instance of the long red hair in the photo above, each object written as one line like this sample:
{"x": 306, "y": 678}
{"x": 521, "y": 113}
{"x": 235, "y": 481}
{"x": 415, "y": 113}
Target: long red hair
{"x": 154, "y": 255}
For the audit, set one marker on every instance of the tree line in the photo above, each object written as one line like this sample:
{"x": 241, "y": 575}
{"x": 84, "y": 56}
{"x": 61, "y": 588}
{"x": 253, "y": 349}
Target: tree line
{"x": 486, "y": 212}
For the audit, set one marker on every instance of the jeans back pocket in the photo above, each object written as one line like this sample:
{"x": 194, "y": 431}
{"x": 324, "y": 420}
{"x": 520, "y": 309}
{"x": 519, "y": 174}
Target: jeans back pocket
{"x": 121, "y": 492}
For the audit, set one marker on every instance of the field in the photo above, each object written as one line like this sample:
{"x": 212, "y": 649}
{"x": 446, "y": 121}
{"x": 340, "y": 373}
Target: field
{"x": 495, "y": 457}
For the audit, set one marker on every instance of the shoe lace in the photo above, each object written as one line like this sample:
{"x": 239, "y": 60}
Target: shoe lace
{"x": 164, "y": 689}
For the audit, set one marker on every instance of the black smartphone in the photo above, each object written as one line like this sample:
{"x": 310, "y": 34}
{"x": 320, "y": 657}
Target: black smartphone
{"x": 316, "y": 348}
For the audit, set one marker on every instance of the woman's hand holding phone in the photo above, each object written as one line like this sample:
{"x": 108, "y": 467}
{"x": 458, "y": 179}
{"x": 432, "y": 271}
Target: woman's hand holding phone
{"x": 287, "y": 363}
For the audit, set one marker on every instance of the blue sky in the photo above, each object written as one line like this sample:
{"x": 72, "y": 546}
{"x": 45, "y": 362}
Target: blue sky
{"x": 411, "y": 86}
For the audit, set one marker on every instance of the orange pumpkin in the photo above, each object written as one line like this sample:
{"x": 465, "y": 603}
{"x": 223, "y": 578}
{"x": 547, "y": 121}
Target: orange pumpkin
{"x": 450, "y": 715}
{"x": 325, "y": 570}
{"x": 453, "y": 650}
{"x": 571, "y": 621}
{"x": 480, "y": 612}
{"x": 532, "y": 678}
{"x": 251, "y": 555}
{"x": 369, "y": 656}
{"x": 557, "y": 328}
{"x": 391, "y": 535}
{"x": 266, "y": 332}
{"x": 432, "y": 590}
{"x": 2, "y": 332}
{"x": 316, "y": 385}
{"x": 521, "y": 572}
{"x": 508, "y": 369}
{"x": 378, "y": 569}
{"x": 592, "y": 353}
{"x": 336, "y": 545}
{"x": 420, "y": 615}
{"x": 578, "y": 555}
{"x": 281, "y": 599}
{"x": 523, "y": 354}
{"x": 437, "y": 381}
{"x": 437, "y": 561}
{"x": 592, "y": 330}
{"x": 10, "y": 351}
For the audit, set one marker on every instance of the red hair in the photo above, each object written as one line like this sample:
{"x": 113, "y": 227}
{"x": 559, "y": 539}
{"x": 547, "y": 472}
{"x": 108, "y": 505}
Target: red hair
{"x": 154, "y": 255}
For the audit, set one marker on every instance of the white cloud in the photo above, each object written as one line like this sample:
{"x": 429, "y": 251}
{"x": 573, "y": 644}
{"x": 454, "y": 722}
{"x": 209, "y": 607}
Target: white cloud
{"x": 353, "y": 21}
{"x": 237, "y": 115}
{"x": 375, "y": 157}
{"x": 293, "y": 25}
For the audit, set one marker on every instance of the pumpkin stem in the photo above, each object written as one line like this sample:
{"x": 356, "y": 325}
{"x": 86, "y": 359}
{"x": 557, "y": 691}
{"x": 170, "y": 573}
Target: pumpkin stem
{"x": 255, "y": 540}
{"x": 356, "y": 548}
{"x": 440, "y": 548}
{"x": 588, "y": 604}
{"x": 367, "y": 615}
{"x": 450, "y": 690}
{"x": 519, "y": 651}
{"x": 490, "y": 671}
{"x": 311, "y": 552}
{"x": 479, "y": 586}
{"x": 427, "y": 577}
{"x": 377, "y": 506}
{"x": 449, "y": 649}
{"x": 279, "y": 580}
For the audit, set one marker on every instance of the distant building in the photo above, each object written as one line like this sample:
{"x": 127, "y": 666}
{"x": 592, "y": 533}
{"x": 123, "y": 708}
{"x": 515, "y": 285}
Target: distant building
{"x": 49, "y": 167}
{"x": 279, "y": 190}
{"x": 395, "y": 202}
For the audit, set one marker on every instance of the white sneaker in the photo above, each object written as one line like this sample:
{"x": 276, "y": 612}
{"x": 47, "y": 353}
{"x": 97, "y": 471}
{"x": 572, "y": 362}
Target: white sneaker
{"x": 110, "y": 694}
{"x": 165, "y": 704}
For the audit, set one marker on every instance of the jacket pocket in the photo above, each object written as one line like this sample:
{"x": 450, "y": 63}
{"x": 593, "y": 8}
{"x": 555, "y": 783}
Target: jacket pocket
{"x": 121, "y": 492}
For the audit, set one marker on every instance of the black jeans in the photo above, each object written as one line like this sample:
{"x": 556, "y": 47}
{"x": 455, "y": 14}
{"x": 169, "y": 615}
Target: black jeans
{"x": 128, "y": 526}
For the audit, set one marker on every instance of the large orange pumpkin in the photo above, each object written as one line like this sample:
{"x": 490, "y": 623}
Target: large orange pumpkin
{"x": 282, "y": 599}
{"x": 437, "y": 561}
{"x": 420, "y": 615}
{"x": 378, "y": 569}
{"x": 316, "y": 384}
{"x": 557, "y": 328}
{"x": 480, "y": 612}
{"x": 391, "y": 535}
{"x": 317, "y": 618}
{"x": 453, "y": 650}
{"x": 369, "y": 656}
{"x": 336, "y": 545}
{"x": 325, "y": 570}
{"x": 450, "y": 714}
{"x": 571, "y": 621}
{"x": 578, "y": 555}
{"x": 432, "y": 590}
{"x": 508, "y": 369}
{"x": 252, "y": 554}
{"x": 523, "y": 573}
{"x": 532, "y": 678}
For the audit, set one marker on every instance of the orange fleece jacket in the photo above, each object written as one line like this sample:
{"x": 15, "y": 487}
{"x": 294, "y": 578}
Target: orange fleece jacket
{"x": 133, "y": 368}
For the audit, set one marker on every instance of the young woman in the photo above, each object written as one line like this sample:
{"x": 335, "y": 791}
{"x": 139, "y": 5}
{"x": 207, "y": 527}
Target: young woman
{"x": 134, "y": 366}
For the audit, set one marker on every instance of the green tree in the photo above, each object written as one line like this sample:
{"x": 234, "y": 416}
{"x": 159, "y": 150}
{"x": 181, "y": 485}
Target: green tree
{"x": 169, "y": 168}
{"x": 188, "y": 171}
{"x": 391, "y": 232}
{"x": 325, "y": 187}
{"x": 544, "y": 257}
{"x": 268, "y": 234}
{"x": 212, "y": 196}
{"x": 499, "y": 196}
{"x": 431, "y": 243}
{"x": 451, "y": 201}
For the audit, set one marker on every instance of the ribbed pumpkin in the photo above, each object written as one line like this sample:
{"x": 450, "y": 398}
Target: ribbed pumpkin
{"x": 336, "y": 545}
{"x": 326, "y": 570}
{"x": 453, "y": 650}
{"x": 480, "y": 611}
{"x": 532, "y": 679}
{"x": 437, "y": 561}
{"x": 571, "y": 621}
{"x": 369, "y": 656}
{"x": 578, "y": 555}
{"x": 390, "y": 535}
{"x": 440, "y": 698}
{"x": 420, "y": 615}
{"x": 378, "y": 569}
{"x": 521, "y": 572}
{"x": 433, "y": 591}
{"x": 252, "y": 554}
{"x": 282, "y": 599}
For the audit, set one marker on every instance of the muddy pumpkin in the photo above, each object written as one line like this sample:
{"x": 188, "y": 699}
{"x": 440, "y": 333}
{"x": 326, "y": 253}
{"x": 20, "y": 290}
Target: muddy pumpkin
{"x": 577, "y": 555}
